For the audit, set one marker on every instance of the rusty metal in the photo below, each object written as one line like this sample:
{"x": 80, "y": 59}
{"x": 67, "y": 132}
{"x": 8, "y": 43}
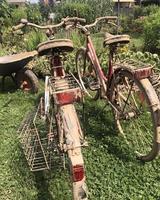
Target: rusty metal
{"x": 62, "y": 45}
{"x": 13, "y": 63}
{"x": 65, "y": 90}
{"x": 38, "y": 149}
{"x": 116, "y": 39}
{"x": 139, "y": 69}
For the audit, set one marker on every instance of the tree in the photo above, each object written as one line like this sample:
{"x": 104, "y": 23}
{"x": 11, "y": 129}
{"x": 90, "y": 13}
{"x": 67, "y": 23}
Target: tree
{"x": 149, "y": 2}
{"x": 4, "y": 9}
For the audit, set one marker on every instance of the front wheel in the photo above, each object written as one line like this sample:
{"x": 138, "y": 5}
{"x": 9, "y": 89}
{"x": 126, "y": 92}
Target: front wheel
{"x": 136, "y": 111}
{"x": 87, "y": 74}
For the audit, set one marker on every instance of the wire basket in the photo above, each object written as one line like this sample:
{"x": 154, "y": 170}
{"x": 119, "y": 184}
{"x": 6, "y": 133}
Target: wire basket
{"x": 36, "y": 148}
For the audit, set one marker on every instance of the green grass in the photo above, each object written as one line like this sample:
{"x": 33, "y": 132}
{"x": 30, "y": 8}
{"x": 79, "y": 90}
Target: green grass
{"x": 112, "y": 171}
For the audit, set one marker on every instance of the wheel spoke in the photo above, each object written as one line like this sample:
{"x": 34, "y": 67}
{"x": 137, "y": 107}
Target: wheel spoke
{"x": 133, "y": 114}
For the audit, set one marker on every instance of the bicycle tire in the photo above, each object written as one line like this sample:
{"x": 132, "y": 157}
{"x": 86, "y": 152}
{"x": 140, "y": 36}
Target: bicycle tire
{"x": 135, "y": 123}
{"x": 89, "y": 80}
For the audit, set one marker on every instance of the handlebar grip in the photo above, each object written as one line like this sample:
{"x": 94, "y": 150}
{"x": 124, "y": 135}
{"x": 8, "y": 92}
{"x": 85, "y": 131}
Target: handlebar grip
{"x": 19, "y": 26}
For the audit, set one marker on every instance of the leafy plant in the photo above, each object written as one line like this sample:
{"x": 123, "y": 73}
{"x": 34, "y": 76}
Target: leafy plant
{"x": 152, "y": 33}
{"x": 71, "y": 9}
{"x": 145, "y": 57}
{"x": 33, "y": 13}
{"x": 18, "y": 14}
{"x": 32, "y": 39}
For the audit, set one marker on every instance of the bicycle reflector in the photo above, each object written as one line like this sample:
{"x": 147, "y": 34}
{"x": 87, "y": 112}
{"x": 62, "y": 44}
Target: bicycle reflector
{"x": 78, "y": 173}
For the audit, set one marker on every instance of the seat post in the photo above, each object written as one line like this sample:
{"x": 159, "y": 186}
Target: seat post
{"x": 56, "y": 66}
{"x": 112, "y": 49}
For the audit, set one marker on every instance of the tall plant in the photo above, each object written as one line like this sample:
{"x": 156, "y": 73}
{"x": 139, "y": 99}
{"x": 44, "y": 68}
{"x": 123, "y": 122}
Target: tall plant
{"x": 152, "y": 33}
{"x": 88, "y": 9}
{"x": 99, "y": 7}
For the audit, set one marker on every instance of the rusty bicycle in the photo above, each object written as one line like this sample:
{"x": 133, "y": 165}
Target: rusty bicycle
{"x": 125, "y": 87}
{"x": 63, "y": 135}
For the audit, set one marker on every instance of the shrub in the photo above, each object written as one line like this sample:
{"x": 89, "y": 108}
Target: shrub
{"x": 68, "y": 9}
{"x": 18, "y": 14}
{"x": 4, "y": 13}
{"x": 144, "y": 11}
{"x": 145, "y": 57}
{"x": 87, "y": 9}
{"x": 33, "y": 13}
{"x": 152, "y": 33}
{"x": 133, "y": 22}
{"x": 99, "y": 7}
{"x": 32, "y": 39}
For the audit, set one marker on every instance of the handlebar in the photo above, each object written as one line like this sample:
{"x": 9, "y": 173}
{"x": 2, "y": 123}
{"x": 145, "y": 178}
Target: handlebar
{"x": 24, "y": 22}
{"x": 107, "y": 18}
{"x": 74, "y": 19}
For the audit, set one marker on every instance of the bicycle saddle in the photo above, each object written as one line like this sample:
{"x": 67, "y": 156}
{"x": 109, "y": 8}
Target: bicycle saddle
{"x": 60, "y": 45}
{"x": 12, "y": 63}
{"x": 115, "y": 39}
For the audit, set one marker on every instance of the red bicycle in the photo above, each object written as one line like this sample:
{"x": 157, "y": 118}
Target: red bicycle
{"x": 126, "y": 88}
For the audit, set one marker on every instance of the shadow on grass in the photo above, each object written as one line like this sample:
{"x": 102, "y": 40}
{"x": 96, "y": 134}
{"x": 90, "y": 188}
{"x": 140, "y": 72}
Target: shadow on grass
{"x": 27, "y": 179}
{"x": 42, "y": 185}
{"x": 9, "y": 85}
{"x": 99, "y": 123}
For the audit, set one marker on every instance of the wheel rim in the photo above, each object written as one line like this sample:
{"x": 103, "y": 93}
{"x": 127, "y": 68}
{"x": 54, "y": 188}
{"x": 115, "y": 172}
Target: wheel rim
{"x": 133, "y": 114}
{"x": 87, "y": 75}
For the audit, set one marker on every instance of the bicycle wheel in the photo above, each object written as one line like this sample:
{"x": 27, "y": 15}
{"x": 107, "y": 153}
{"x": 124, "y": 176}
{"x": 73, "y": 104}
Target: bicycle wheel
{"x": 136, "y": 111}
{"x": 86, "y": 74}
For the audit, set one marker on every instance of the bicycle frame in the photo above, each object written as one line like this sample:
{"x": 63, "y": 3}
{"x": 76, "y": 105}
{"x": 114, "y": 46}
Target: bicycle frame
{"x": 94, "y": 59}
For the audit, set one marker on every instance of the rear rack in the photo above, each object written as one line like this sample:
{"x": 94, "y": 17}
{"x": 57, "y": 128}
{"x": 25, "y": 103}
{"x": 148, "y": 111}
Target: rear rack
{"x": 65, "y": 90}
{"x": 139, "y": 69}
{"x": 66, "y": 83}
{"x": 132, "y": 64}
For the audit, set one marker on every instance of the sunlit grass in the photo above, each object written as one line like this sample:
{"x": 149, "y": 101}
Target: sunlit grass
{"x": 112, "y": 170}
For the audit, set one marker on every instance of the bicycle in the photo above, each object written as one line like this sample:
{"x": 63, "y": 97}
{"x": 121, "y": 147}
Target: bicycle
{"x": 64, "y": 133}
{"x": 126, "y": 88}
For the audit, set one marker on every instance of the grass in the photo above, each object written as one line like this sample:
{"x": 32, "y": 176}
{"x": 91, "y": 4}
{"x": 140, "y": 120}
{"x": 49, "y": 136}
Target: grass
{"x": 112, "y": 171}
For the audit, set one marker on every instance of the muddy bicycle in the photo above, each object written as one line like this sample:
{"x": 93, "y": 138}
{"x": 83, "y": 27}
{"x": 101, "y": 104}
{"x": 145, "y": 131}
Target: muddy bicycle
{"x": 64, "y": 135}
{"x": 127, "y": 89}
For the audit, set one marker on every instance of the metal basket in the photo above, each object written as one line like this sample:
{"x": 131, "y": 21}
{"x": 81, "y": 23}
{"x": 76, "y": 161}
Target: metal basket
{"x": 36, "y": 148}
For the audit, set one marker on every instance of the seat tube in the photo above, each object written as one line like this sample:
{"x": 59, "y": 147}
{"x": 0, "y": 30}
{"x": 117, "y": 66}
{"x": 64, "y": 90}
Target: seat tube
{"x": 95, "y": 62}
{"x": 56, "y": 66}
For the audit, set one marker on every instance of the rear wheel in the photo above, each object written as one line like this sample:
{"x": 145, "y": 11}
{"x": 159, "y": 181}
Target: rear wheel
{"x": 136, "y": 111}
{"x": 86, "y": 74}
{"x": 27, "y": 81}
{"x": 70, "y": 141}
